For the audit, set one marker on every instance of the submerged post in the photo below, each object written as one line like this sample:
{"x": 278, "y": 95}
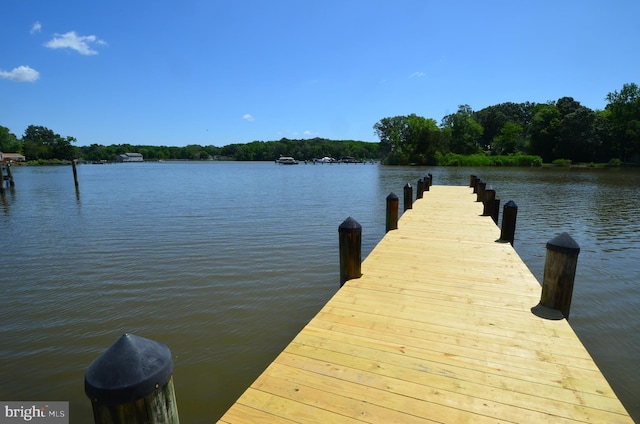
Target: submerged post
{"x": 350, "y": 241}
{"x": 75, "y": 172}
{"x": 509, "y": 214}
{"x": 408, "y": 196}
{"x": 10, "y": 176}
{"x": 131, "y": 383}
{"x": 392, "y": 212}
{"x": 2, "y": 190}
{"x": 559, "y": 273}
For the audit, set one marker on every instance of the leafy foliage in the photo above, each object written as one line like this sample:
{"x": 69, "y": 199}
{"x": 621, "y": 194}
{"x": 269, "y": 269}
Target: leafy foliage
{"x": 506, "y": 134}
{"x": 557, "y": 130}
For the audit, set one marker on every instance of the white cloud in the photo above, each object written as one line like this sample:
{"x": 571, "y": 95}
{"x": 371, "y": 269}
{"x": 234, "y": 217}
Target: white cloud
{"x": 308, "y": 133}
{"x": 248, "y": 117}
{"x": 71, "y": 40}
{"x": 21, "y": 74}
{"x": 417, "y": 75}
{"x": 37, "y": 27}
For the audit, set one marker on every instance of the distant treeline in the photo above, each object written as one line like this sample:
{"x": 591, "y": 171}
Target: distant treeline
{"x": 556, "y": 131}
{"x": 504, "y": 134}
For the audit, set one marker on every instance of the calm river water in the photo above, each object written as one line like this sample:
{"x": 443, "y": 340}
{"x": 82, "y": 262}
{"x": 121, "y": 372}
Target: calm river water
{"x": 224, "y": 262}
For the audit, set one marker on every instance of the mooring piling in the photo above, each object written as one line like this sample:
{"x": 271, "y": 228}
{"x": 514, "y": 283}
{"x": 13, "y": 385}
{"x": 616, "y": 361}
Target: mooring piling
{"x": 408, "y": 196}
{"x": 392, "y": 212}
{"x": 131, "y": 383}
{"x": 350, "y": 241}
{"x": 559, "y": 273}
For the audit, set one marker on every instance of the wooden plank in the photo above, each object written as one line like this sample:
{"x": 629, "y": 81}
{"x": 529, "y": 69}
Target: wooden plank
{"x": 439, "y": 328}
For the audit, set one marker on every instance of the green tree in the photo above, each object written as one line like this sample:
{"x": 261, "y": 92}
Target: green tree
{"x": 545, "y": 130}
{"x": 9, "y": 143}
{"x": 576, "y": 132}
{"x": 494, "y": 118}
{"x": 42, "y": 143}
{"x": 511, "y": 139}
{"x": 624, "y": 118}
{"x": 463, "y": 131}
{"x": 408, "y": 139}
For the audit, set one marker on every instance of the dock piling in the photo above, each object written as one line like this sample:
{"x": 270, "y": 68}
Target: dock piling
{"x": 420, "y": 188}
{"x": 481, "y": 187}
{"x": 350, "y": 240}
{"x": 10, "y": 177}
{"x": 509, "y": 215}
{"x": 559, "y": 273}
{"x": 75, "y": 172}
{"x": 392, "y": 212}
{"x": 131, "y": 383}
{"x": 408, "y": 196}
{"x": 489, "y": 202}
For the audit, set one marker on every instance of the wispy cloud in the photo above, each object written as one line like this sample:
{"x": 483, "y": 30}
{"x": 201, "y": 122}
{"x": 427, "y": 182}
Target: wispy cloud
{"x": 248, "y": 117}
{"x": 417, "y": 75}
{"x": 80, "y": 43}
{"x": 36, "y": 27}
{"x": 21, "y": 74}
{"x": 308, "y": 133}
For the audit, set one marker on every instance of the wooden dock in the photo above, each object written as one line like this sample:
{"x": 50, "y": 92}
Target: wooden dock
{"x": 439, "y": 329}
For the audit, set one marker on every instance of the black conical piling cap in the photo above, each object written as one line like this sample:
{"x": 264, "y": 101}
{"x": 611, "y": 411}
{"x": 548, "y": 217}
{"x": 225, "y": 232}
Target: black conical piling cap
{"x": 511, "y": 205}
{"x": 392, "y": 196}
{"x": 130, "y": 369}
{"x": 563, "y": 243}
{"x": 350, "y": 225}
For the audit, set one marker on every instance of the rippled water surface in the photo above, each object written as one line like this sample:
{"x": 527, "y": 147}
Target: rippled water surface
{"x": 224, "y": 262}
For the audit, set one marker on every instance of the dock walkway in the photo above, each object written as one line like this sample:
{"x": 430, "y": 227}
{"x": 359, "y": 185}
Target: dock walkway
{"x": 439, "y": 329}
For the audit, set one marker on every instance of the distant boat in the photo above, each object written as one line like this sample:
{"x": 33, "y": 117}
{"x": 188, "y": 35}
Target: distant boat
{"x": 325, "y": 159}
{"x": 287, "y": 160}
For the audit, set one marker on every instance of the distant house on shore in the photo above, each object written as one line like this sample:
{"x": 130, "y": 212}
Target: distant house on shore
{"x": 130, "y": 157}
{"x": 11, "y": 157}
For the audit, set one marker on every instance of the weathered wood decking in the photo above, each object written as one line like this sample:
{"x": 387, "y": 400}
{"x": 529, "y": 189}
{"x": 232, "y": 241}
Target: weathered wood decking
{"x": 439, "y": 329}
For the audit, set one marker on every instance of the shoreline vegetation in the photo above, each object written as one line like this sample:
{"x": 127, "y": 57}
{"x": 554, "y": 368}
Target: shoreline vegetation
{"x": 451, "y": 159}
{"x": 555, "y": 133}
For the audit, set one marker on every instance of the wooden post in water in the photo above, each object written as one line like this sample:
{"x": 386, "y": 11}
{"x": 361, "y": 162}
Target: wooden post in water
{"x": 350, "y": 241}
{"x": 75, "y": 172}
{"x": 509, "y": 214}
{"x": 427, "y": 182}
{"x": 496, "y": 210}
{"x": 475, "y": 185}
{"x": 472, "y": 181}
{"x": 2, "y": 190}
{"x": 131, "y": 383}
{"x": 10, "y": 176}
{"x": 430, "y": 179}
{"x": 392, "y": 212}
{"x": 408, "y": 196}
{"x": 559, "y": 273}
{"x": 420, "y": 188}
{"x": 489, "y": 202}
{"x": 480, "y": 195}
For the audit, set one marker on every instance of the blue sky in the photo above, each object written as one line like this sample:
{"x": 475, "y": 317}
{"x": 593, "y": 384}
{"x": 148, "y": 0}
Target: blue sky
{"x": 215, "y": 72}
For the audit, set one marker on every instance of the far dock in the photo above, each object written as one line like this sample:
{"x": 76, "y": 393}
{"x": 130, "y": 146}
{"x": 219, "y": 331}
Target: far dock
{"x": 442, "y": 327}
